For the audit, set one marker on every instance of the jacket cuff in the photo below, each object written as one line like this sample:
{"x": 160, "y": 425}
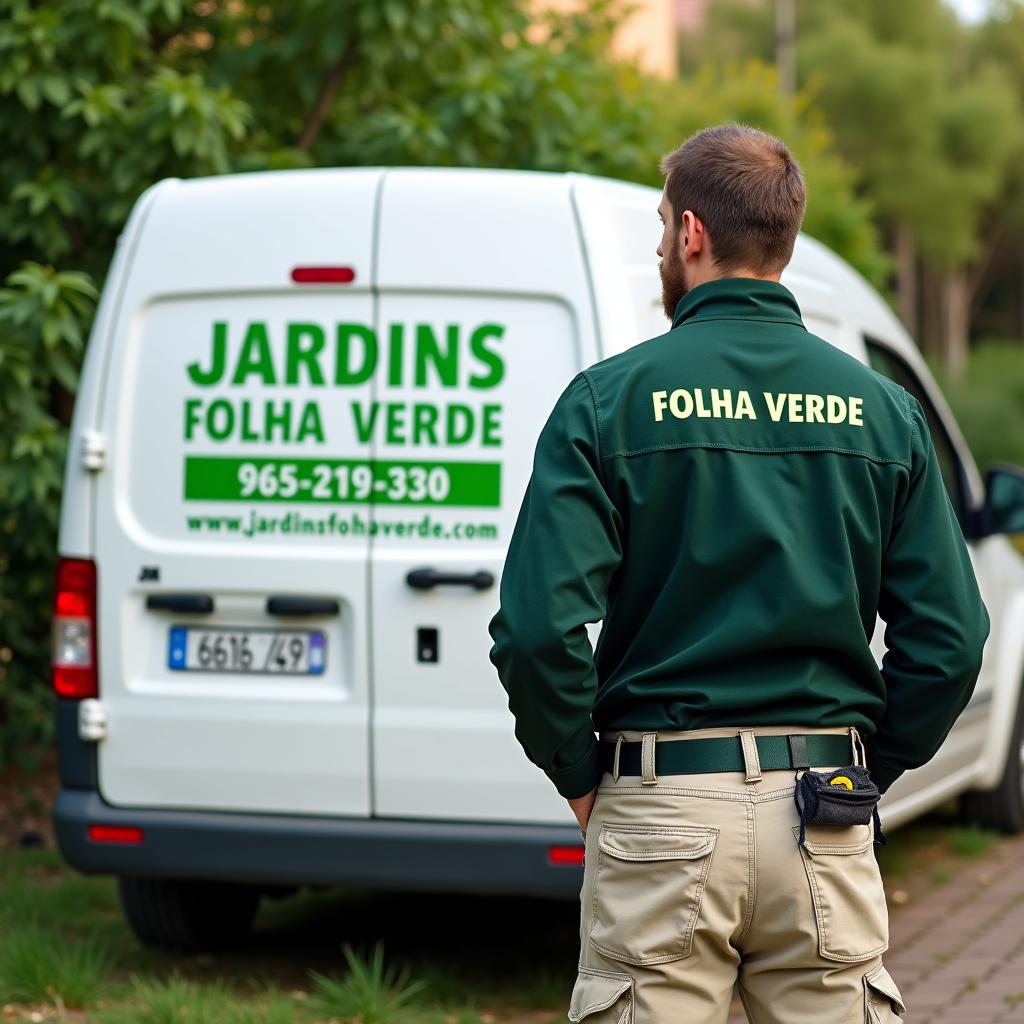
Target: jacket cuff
{"x": 580, "y": 778}
{"x": 883, "y": 773}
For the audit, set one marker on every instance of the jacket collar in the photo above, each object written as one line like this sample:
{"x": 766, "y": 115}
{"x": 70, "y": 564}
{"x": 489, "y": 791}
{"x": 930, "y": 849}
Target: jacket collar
{"x": 738, "y": 298}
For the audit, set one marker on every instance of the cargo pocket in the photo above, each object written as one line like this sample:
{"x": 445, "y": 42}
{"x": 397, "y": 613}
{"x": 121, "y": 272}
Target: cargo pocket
{"x": 602, "y": 997}
{"x": 883, "y": 1003}
{"x": 846, "y": 890}
{"x": 647, "y": 889}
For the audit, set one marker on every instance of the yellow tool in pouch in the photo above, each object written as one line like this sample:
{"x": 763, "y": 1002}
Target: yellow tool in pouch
{"x": 846, "y": 796}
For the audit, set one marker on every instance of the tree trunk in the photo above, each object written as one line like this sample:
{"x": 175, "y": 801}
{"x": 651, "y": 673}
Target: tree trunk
{"x": 930, "y": 325}
{"x": 329, "y": 87}
{"x": 1020, "y": 303}
{"x": 906, "y": 278}
{"x": 957, "y": 315}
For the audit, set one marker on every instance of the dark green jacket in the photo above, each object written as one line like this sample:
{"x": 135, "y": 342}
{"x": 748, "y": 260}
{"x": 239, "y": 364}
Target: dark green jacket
{"x": 737, "y": 545}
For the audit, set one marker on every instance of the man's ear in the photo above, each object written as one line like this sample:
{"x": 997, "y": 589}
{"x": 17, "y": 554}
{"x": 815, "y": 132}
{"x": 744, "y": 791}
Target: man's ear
{"x": 693, "y": 231}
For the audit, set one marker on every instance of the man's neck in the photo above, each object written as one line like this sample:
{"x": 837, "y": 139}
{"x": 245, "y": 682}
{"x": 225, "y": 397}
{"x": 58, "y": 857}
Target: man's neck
{"x": 743, "y": 272}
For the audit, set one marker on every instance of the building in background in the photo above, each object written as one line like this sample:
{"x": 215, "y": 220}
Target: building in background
{"x": 647, "y": 37}
{"x": 690, "y": 14}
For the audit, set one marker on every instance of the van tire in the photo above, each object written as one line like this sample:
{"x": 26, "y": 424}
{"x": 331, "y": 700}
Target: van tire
{"x": 187, "y": 915}
{"x": 1002, "y": 807}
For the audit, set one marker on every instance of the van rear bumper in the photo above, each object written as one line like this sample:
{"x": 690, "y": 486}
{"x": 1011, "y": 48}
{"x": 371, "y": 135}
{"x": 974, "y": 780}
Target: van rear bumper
{"x": 277, "y": 849}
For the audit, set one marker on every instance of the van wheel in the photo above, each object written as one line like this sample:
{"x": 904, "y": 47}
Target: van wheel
{"x": 1003, "y": 807}
{"x": 185, "y": 914}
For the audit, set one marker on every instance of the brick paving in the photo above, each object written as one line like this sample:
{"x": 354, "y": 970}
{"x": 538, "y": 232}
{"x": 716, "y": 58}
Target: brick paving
{"x": 956, "y": 950}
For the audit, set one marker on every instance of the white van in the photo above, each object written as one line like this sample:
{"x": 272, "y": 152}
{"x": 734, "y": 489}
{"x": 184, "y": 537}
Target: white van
{"x": 304, "y": 429}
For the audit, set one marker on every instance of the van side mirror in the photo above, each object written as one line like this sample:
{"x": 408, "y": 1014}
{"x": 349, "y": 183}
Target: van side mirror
{"x": 1003, "y": 511}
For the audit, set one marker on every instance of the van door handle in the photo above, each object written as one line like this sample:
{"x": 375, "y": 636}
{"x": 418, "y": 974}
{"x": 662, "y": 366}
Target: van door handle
{"x": 196, "y": 603}
{"x": 424, "y": 579}
{"x": 283, "y": 604}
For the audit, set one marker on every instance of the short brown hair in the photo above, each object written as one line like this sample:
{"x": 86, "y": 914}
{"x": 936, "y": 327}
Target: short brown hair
{"x": 746, "y": 188}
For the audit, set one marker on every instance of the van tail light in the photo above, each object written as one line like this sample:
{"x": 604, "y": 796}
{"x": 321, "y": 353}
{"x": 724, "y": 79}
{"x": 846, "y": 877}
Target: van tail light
{"x": 565, "y": 854}
{"x": 74, "y": 629}
{"x": 125, "y": 834}
{"x": 323, "y": 275}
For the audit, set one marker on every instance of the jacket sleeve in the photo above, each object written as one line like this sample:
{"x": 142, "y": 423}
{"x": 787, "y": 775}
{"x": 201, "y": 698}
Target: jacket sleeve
{"x": 936, "y": 621}
{"x": 564, "y": 549}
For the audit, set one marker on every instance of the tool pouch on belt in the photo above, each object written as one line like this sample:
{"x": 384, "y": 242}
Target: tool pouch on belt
{"x": 846, "y": 796}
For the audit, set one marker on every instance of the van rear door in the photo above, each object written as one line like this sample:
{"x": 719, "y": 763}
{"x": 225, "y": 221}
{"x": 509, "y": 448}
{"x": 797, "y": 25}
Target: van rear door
{"x": 232, "y": 550}
{"x": 486, "y": 308}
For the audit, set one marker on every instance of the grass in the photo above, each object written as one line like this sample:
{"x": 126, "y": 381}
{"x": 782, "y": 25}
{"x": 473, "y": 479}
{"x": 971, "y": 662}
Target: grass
{"x": 178, "y": 1000}
{"x": 329, "y": 957}
{"x": 934, "y": 847}
{"x": 174, "y": 1001}
{"x": 970, "y": 841}
{"x": 901, "y": 855}
{"x": 370, "y": 993}
{"x": 38, "y": 965}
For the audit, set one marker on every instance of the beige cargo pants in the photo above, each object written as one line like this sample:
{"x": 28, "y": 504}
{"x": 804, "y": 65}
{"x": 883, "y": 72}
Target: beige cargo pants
{"x": 695, "y": 883}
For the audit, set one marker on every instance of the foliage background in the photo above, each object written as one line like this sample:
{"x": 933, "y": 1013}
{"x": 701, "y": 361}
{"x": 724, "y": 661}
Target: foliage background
{"x": 101, "y": 98}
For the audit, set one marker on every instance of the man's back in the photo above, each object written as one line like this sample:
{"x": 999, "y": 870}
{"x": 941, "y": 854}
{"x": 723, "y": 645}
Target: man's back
{"x": 763, "y": 497}
{"x": 752, "y": 568}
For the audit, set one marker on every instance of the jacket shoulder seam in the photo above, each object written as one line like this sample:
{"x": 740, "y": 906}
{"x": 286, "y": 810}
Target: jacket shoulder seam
{"x": 756, "y": 450}
{"x": 597, "y": 419}
{"x": 910, "y": 416}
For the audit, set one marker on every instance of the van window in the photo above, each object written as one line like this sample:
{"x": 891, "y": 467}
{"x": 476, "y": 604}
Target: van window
{"x": 883, "y": 360}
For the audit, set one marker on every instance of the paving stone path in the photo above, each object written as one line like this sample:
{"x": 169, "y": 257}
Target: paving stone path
{"x": 956, "y": 950}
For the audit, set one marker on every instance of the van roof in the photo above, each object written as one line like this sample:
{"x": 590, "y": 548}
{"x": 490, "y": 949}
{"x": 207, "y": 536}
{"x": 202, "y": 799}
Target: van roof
{"x": 232, "y": 216}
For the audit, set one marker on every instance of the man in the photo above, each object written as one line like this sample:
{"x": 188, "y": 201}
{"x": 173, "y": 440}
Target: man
{"x": 736, "y": 499}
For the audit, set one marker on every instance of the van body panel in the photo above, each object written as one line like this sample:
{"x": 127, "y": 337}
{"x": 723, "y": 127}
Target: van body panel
{"x": 229, "y": 409}
{"x": 76, "y": 529}
{"x": 443, "y": 741}
{"x": 292, "y": 849}
{"x": 619, "y": 226}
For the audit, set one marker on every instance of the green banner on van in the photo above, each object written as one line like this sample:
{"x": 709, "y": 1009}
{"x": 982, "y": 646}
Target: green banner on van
{"x": 342, "y": 481}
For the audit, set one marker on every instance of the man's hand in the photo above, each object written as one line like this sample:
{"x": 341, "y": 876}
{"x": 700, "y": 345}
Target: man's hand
{"x": 582, "y": 806}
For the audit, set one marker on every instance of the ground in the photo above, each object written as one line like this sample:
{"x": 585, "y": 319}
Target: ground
{"x": 954, "y": 892}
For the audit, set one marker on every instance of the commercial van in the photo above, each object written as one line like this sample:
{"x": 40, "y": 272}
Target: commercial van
{"x": 305, "y": 425}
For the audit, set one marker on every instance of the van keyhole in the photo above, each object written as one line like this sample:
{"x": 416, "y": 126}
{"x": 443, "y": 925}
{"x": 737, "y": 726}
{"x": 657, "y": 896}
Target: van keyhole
{"x": 426, "y": 643}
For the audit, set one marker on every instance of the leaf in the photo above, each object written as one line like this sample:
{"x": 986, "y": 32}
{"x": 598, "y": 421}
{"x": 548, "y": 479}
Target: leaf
{"x": 56, "y": 90}
{"x": 28, "y": 92}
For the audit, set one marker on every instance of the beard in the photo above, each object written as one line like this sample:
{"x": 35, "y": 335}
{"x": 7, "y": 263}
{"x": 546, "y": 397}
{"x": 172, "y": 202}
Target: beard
{"x": 674, "y": 284}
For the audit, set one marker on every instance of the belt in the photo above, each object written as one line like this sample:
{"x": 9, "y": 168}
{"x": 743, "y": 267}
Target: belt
{"x": 725, "y": 754}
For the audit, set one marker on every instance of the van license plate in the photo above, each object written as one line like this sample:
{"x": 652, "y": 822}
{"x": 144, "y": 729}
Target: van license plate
{"x": 276, "y": 651}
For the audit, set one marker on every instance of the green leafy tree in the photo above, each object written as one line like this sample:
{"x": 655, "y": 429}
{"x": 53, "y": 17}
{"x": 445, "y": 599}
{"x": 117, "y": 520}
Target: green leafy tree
{"x": 997, "y": 304}
{"x": 934, "y": 139}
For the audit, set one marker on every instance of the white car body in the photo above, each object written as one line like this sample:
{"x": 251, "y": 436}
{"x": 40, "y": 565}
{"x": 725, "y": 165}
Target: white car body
{"x": 404, "y": 735}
